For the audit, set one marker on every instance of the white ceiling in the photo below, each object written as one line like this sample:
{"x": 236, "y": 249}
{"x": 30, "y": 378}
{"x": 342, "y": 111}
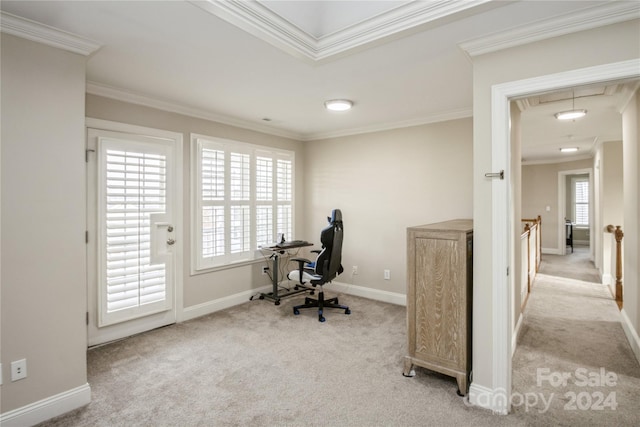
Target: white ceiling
{"x": 241, "y": 62}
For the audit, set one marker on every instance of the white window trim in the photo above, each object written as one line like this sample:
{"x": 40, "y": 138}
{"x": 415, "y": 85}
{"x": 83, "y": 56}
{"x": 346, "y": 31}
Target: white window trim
{"x": 197, "y": 264}
{"x": 574, "y": 180}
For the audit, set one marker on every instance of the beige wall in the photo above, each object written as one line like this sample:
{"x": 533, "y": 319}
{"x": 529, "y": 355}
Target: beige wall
{"x": 540, "y": 187}
{"x": 612, "y": 204}
{"x": 205, "y": 288}
{"x": 385, "y": 182}
{"x": 603, "y": 45}
{"x": 43, "y": 221}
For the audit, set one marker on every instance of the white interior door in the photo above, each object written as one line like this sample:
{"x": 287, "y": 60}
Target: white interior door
{"x": 132, "y": 182}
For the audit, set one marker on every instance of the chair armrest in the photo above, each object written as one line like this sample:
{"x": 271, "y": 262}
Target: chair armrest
{"x": 301, "y": 263}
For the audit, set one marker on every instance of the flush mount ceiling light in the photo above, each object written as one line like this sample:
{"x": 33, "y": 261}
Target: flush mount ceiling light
{"x": 338, "y": 105}
{"x": 570, "y": 115}
{"x": 573, "y": 113}
{"x": 568, "y": 149}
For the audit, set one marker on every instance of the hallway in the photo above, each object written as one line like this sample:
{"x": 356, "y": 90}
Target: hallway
{"x": 573, "y": 362}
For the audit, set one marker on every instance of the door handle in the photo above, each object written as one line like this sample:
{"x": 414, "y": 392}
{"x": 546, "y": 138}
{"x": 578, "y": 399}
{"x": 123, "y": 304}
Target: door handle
{"x": 495, "y": 175}
{"x": 170, "y": 242}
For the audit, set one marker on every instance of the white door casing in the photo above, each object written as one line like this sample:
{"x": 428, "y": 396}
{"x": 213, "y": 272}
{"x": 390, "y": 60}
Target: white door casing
{"x": 500, "y": 399}
{"x": 134, "y": 229}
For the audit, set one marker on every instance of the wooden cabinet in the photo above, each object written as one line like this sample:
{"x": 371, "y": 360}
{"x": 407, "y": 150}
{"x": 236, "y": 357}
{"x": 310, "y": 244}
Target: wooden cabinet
{"x": 439, "y": 299}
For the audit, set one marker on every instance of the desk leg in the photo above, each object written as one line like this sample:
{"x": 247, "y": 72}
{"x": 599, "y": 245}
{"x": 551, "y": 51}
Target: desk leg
{"x": 275, "y": 295}
{"x": 274, "y": 276}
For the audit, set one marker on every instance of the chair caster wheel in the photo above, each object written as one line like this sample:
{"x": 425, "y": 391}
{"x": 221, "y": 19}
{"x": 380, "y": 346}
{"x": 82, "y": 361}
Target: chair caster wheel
{"x": 277, "y": 302}
{"x": 261, "y": 297}
{"x": 295, "y": 288}
{"x": 296, "y": 311}
{"x": 347, "y": 311}
{"x": 321, "y": 319}
{"x": 312, "y": 293}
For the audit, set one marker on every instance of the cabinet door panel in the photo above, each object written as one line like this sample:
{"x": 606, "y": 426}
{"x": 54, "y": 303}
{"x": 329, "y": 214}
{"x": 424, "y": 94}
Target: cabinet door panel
{"x": 439, "y": 301}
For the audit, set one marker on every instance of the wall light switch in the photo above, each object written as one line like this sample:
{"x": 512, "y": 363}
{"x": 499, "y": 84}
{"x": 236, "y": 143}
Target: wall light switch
{"x": 547, "y": 208}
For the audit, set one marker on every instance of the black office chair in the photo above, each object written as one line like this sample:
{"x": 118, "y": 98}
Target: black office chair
{"x": 326, "y": 267}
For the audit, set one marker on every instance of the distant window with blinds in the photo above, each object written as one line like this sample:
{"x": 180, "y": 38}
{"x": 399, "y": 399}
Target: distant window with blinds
{"x": 581, "y": 201}
{"x": 243, "y": 197}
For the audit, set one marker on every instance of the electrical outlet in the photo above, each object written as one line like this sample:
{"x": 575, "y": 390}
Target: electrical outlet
{"x": 0, "y": 373}
{"x": 18, "y": 369}
{"x": 265, "y": 270}
{"x": 354, "y": 270}
{"x": 387, "y": 275}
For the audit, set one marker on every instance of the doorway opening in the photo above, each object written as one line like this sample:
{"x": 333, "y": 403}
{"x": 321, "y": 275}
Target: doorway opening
{"x": 502, "y": 208}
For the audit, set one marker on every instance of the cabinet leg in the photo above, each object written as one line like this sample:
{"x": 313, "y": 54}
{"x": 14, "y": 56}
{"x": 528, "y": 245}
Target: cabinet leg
{"x": 462, "y": 384}
{"x": 408, "y": 368}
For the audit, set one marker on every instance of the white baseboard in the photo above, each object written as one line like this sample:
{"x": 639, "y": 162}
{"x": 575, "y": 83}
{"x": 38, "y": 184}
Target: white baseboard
{"x": 219, "y": 304}
{"x": 48, "y": 408}
{"x": 242, "y": 297}
{"x": 551, "y": 251}
{"x": 514, "y": 336}
{"x": 374, "y": 294}
{"x": 631, "y": 333}
{"x": 487, "y": 398}
{"x": 607, "y": 279}
{"x": 209, "y": 307}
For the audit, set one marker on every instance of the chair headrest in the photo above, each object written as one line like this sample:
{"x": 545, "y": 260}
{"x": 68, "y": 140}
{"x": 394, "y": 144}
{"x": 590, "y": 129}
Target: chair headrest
{"x": 336, "y": 216}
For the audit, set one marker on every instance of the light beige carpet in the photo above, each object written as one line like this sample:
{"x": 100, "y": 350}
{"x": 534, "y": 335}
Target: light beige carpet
{"x": 573, "y": 364}
{"x": 258, "y": 365}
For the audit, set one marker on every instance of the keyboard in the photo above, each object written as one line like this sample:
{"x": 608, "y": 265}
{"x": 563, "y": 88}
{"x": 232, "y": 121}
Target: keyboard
{"x": 292, "y": 243}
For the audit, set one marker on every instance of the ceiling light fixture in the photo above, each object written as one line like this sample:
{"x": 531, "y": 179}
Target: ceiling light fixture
{"x": 568, "y": 149}
{"x": 338, "y": 104}
{"x": 573, "y": 113}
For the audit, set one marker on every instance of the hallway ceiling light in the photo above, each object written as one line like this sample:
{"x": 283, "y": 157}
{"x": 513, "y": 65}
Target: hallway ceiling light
{"x": 338, "y": 104}
{"x": 573, "y": 113}
{"x": 569, "y": 149}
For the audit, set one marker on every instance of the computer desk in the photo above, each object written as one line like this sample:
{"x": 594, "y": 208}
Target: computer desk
{"x": 276, "y": 252}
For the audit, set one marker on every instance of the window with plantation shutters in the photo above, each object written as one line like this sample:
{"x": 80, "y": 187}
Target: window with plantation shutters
{"x": 581, "y": 201}
{"x": 243, "y": 197}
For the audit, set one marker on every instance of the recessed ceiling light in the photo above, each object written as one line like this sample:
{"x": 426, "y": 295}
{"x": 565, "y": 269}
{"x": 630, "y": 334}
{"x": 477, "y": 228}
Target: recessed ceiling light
{"x": 338, "y": 104}
{"x": 570, "y": 115}
{"x": 568, "y": 149}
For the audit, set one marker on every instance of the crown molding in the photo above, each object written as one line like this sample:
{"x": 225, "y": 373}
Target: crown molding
{"x": 37, "y": 32}
{"x": 256, "y": 19}
{"x": 627, "y": 95}
{"x": 461, "y": 113}
{"x": 553, "y": 160}
{"x": 118, "y": 94}
{"x": 594, "y": 17}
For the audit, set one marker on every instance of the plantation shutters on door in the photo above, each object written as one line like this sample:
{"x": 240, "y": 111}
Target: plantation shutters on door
{"x": 133, "y": 198}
